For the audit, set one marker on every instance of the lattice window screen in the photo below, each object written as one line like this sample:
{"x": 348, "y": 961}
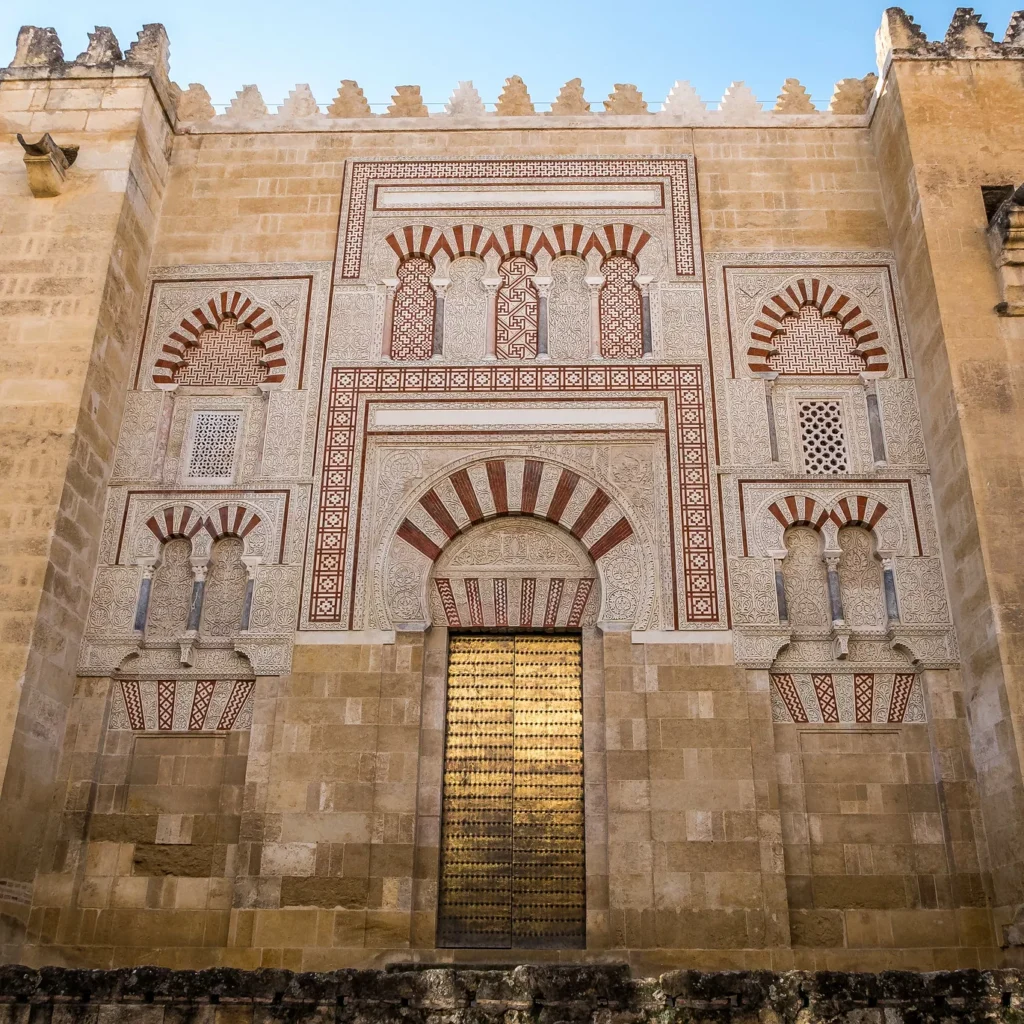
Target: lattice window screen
{"x": 214, "y": 446}
{"x": 823, "y": 437}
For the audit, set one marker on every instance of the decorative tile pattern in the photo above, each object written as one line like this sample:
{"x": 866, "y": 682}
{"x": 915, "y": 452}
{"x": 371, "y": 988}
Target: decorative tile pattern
{"x": 863, "y": 696}
{"x": 228, "y": 340}
{"x": 621, "y": 310}
{"x": 675, "y": 173}
{"x": 902, "y": 686}
{"x": 517, "y": 310}
{"x": 194, "y": 705}
{"x": 224, "y": 357}
{"x": 412, "y": 331}
{"x": 847, "y": 699}
{"x": 825, "y": 691}
{"x": 348, "y": 386}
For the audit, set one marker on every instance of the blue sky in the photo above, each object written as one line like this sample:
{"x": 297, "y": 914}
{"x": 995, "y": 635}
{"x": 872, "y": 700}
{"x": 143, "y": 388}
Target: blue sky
{"x": 226, "y": 44}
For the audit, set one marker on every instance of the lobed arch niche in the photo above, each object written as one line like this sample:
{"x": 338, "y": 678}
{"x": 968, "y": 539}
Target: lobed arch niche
{"x": 506, "y": 520}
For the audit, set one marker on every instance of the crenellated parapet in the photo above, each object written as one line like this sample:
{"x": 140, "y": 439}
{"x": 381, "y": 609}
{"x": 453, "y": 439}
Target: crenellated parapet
{"x": 39, "y": 53}
{"x": 900, "y": 37}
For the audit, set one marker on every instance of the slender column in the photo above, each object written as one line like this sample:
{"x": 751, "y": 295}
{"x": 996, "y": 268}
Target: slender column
{"x": 835, "y": 596}
{"x": 490, "y": 283}
{"x": 543, "y": 286}
{"x": 440, "y": 285}
{"x": 874, "y": 422}
{"x": 644, "y": 284}
{"x": 145, "y": 588}
{"x": 769, "y": 404}
{"x": 195, "y": 610}
{"x": 780, "y": 591}
{"x": 391, "y": 284}
{"x": 892, "y": 605}
{"x": 251, "y": 564}
{"x": 594, "y": 283}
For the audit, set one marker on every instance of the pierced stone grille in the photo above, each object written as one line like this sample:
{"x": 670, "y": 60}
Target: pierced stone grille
{"x": 621, "y": 310}
{"x": 214, "y": 444}
{"x": 823, "y": 437}
{"x": 225, "y": 357}
{"x": 412, "y": 332}
{"x": 813, "y": 344}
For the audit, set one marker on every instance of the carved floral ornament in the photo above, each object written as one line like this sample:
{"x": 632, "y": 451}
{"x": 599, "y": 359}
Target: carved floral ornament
{"x": 230, "y": 339}
{"x": 576, "y": 531}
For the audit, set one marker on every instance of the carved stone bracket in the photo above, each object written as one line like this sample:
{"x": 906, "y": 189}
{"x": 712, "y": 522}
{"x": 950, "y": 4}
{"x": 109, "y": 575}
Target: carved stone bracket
{"x": 47, "y": 165}
{"x": 1006, "y": 242}
{"x": 758, "y": 647}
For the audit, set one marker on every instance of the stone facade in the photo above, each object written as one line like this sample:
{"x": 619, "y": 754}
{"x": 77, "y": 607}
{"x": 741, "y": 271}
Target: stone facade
{"x": 293, "y": 397}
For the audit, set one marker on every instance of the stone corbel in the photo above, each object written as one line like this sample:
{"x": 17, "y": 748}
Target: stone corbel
{"x": 47, "y": 165}
{"x": 1006, "y": 243}
{"x": 186, "y": 647}
{"x": 757, "y": 647}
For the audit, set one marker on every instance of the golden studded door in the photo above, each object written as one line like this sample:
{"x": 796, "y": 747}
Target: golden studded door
{"x": 512, "y": 855}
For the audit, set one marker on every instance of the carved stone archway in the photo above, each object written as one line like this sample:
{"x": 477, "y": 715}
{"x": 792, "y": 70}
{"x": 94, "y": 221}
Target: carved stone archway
{"x": 584, "y": 514}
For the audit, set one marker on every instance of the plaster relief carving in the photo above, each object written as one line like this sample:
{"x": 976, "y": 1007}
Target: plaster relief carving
{"x": 282, "y": 441}
{"x": 922, "y": 591}
{"x": 806, "y": 584}
{"x": 901, "y": 421}
{"x": 171, "y": 594}
{"x": 115, "y": 594}
{"x": 226, "y": 583}
{"x": 860, "y": 580}
{"x": 752, "y": 589}
{"x": 465, "y": 311}
{"x": 748, "y": 422}
{"x": 569, "y": 310}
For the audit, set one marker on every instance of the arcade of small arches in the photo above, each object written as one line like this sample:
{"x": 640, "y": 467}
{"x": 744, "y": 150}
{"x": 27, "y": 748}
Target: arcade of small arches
{"x": 831, "y": 571}
{"x": 200, "y": 580}
{"x": 517, "y": 281}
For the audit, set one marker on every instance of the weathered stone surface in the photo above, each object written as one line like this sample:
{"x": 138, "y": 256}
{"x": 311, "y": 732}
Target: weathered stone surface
{"x": 464, "y": 995}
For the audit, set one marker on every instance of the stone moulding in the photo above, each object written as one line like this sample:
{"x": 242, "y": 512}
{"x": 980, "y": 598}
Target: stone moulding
{"x": 526, "y": 993}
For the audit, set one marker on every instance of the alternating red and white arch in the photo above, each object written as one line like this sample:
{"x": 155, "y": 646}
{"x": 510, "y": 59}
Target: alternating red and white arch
{"x": 830, "y": 302}
{"x": 503, "y": 487}
{"x": 231, "y": 521}
{"x": 802, "y": 510}
{"x": 208, "y": 316}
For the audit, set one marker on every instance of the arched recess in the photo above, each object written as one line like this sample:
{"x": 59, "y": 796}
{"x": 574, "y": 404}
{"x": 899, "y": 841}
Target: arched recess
{"x": 514, "y": 572}
{"x": 811, "y": 328}
{"x": 580, "y": 509}
{"x": 229, "y": 340}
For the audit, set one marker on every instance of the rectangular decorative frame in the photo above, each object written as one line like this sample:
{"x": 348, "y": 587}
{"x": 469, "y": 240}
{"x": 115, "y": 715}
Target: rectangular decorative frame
{"x": 676, "y": 173}
{"x": 330, "y": 562}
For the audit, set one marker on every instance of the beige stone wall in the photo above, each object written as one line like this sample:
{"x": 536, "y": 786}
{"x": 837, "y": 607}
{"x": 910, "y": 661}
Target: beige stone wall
{"x": 71, "y": 276}
{"x": 932, "y": 172}
{"x": 714, "y": 838}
